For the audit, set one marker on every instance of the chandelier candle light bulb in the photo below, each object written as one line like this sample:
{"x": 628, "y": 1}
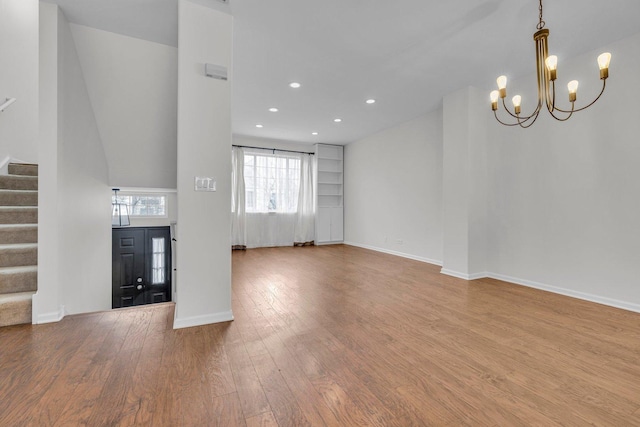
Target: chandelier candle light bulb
{"x": 495, "y": 95}
{"x": 552, "y": 66}
{"x": 573, "y": 89}
{"x": 502, "y": 86}
{"x": 517, "y": 100}
{"x": 603, "y": 62}
{"x": 547, "y": 66}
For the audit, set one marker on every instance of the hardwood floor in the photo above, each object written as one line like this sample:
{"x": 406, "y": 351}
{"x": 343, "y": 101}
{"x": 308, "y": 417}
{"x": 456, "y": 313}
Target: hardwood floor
{"x": 334, "y": 336}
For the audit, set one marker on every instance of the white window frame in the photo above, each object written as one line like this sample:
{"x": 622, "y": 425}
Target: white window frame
{"x": 128, "y": 194}
{"x": 255, "y": 155}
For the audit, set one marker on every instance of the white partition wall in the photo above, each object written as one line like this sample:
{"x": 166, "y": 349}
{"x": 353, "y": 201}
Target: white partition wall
{"x": 19, "y": 79}
{"x": 203, "y": 285}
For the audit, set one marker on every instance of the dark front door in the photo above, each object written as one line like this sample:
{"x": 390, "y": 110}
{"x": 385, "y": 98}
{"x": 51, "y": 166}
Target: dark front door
{"x": 141, "y": 266}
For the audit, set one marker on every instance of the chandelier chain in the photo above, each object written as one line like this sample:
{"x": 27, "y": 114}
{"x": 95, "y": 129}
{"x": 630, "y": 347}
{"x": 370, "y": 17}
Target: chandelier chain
{"x": 541, "y": 23}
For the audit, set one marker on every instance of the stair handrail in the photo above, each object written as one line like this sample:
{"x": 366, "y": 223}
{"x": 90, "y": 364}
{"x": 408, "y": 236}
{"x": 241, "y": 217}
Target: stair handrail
{"x": 6, "y": 103}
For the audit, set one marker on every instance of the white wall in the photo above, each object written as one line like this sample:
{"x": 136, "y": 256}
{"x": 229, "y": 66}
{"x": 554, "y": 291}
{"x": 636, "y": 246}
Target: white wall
{"x": 132, "y": 84}
{"x": 561, "y": 203}
{"x": 19, "y": 79}
{"x": 85, "y": 205}
{"x": 47, "y": 304}
{"x": 464, "y": 184}
{"x": 203, "y": 292}
{"x": 393, "y": 189}
{"x": 564, "y": 197}
{"x": 82, "y": 197}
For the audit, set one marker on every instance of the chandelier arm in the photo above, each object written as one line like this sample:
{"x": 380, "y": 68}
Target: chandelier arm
{"x": 521, "y": 118}
{"x": 551, "y": 104}
{"x": 551, "y": 97}
{"x": 495, "y": 113}
{"x": 604, "y": 84}
{"x": 524, "y": 124}
{"x": 560, "y": 119}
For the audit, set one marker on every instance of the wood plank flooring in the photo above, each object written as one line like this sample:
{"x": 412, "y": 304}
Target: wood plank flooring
{"x": 333, "y": 336}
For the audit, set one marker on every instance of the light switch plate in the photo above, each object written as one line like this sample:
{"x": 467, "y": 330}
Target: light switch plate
{"x": 204, "y": 183}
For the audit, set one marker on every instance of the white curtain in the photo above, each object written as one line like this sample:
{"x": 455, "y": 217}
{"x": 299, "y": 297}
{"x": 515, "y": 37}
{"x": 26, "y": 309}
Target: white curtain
{"x": 304, "y": 232}
{"x": 238, "y": 210}
{"x": 270, "y": 229}
{"x": 273, "y": 200}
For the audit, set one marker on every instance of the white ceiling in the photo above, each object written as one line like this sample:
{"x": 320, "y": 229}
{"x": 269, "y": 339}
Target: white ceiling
{"x": 407, "y": 54}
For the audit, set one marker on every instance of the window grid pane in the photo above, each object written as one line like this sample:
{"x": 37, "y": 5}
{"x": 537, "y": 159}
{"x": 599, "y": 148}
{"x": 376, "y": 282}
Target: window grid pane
{"x": 157, "y": 261}
{"x": 144, "y": 205}
{"x": 272, "y": 183}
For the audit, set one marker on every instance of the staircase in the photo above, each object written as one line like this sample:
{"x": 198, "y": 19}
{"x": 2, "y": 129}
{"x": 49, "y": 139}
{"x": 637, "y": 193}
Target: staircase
{"x": 18, "y": 243}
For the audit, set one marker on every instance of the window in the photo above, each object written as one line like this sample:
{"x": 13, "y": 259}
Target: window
{"x": 157, "y": 261}
{"x": 142, "y": 205}
{"x": 272, "y": 182}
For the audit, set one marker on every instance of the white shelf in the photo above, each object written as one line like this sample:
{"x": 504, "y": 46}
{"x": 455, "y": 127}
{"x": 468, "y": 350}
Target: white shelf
{"x": 329, "y": 193}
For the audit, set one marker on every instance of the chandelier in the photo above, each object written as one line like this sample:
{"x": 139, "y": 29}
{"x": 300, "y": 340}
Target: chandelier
{"x": 546, "y": 73}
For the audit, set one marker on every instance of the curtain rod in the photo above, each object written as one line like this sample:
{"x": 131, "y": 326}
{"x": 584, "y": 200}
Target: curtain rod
{"x": 272, "y": 149}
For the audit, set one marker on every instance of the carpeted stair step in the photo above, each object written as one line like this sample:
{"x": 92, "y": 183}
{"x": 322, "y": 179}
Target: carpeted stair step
{"x": 18, "y": 279}
{"x": 26, "y": 169}
{"x": 18, "y": 182}
{"x": 18, "y": 233}
{"x": 18, "y": 215}
{"x": 15, "y": 309}
{"x": 16, "y": 255}
{"x": 18, "y": 198}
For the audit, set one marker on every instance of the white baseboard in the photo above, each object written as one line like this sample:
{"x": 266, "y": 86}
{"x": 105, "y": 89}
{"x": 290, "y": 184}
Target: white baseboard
{"x": 464, "y": 276}
{"x": 598, "y": 299}
{"x": 51, "y": 317}
{"x": 400, "y": 254}
{"x": 568, "y": 292}
{"x": 206, "y": 319}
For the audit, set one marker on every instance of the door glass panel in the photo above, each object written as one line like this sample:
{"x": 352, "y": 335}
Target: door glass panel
{"x": 157, "y": 261}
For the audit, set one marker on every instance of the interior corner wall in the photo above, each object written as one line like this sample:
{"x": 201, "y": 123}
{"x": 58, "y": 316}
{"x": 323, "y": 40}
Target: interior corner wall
{"x": 393, "y": 190}
{"x": 19, "y": 79}
{"x": 132, "y": 85}
{"x": 203, "y": 288}
{"x": 564, "y": 196}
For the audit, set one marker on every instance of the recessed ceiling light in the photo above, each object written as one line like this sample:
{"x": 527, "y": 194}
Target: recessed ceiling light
{"x": 337, "y": 120}
{"x": 273, "y": 109}
{"x": 370, "y": 101}
{"x": 314, "y": 133}
{"x": 259, "y": 126}
{"x": 295, "y": 85}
